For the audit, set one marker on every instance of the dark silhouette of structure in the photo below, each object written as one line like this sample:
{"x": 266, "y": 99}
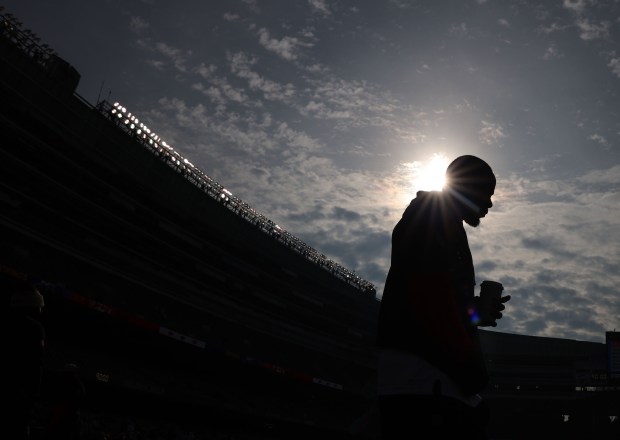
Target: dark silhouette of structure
{"x": 167, "y": 290}
{"x": 22, "y": 339}
{"x": 188, "y": 310}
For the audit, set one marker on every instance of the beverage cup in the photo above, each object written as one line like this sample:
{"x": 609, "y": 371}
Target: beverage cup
{"x": 491, "y": 290}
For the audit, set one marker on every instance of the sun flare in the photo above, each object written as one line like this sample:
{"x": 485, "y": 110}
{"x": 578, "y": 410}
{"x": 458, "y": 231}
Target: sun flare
{"x": 428, "y": 175}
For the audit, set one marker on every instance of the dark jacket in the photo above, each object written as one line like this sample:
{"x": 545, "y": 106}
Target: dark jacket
{"x": 428, "y": 306}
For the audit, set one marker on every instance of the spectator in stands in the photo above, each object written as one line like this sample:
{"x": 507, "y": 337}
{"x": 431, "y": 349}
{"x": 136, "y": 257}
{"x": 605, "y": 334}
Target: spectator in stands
{"x": 431, "y": 369}
{"x": 23, "y": 339}
{"x": 68, "y": 395}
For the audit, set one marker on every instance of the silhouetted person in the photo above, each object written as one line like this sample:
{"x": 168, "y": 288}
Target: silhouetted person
{"x": 23, "y": 339}
{"x": 68, "y": 395}
{"x": 431, "y": 366}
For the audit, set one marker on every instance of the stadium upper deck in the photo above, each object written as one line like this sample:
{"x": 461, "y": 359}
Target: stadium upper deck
{"x": 124, "y": 224}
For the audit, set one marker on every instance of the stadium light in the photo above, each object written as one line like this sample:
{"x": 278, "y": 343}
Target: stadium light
{"x": 170, "y": 156}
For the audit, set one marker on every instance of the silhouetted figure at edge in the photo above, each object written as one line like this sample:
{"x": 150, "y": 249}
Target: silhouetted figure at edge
{"x": 22, "y": 342}
{"x": 431, "y": 366}
{"x": 68, "y": 394}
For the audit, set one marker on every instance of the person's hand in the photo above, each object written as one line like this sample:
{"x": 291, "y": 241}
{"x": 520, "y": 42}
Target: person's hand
{"x": 490, "y": 309}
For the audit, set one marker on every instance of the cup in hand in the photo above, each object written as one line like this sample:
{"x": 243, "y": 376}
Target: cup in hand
{"x": 491, "y": 290}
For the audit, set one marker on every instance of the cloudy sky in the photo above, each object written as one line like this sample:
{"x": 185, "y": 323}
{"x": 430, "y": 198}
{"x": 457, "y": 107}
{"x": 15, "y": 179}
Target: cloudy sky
{"x": 325, "y": 114}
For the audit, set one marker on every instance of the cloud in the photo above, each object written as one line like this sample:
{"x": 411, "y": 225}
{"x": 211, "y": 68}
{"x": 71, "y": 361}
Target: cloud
{"x": 252, "y": 5}
{"x": 458, "y": 30}
{"x": 177, "y": 56}
{"x": 241, "y": 63}
{"x": 614, "y": 63}
{"x": 491, "y": 133}
{"x": 355, "y": 104}
{"x": 295, "y": 139}
{"x": 288, "y": 47}
{"x": 401, "y": 4}
{"x": 220, "y": 92}
{"x": 157, "y": 64}
{"x": 337, "y": 210}
{"x": 576, "y": 6}
{"x": 553, "y": 243}
{"x": 204, "y": 70}
{"x": 503, "y": 22}
{"x": 558, "y": 259}
{"x": 228, "y": 16}
{"x": 227, "y": 134}
{"x": 138, "y": 25}
{"x": 552, "y": 53}
{"x": 588, "y": 28}
{"x": 599, "y": 139}
{"x": 552, "y": 28}
{"x": 319, "y": 6}
{"x": 610, "y": 176}
{"x": 592, "y": 31}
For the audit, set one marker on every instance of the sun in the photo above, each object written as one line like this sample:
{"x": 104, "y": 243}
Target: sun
{"x": 430, "y": 175}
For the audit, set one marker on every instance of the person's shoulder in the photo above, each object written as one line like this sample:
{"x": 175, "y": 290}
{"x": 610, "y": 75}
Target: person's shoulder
{"x": 428, "y": 198}
{"x": 427, "y": 204}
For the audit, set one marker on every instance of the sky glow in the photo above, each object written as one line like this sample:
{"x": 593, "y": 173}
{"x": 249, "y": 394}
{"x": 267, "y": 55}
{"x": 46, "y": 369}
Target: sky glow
{"x": 431, "y": 176}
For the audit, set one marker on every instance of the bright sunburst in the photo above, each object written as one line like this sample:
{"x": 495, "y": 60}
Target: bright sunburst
{"x": 428, "y": 175}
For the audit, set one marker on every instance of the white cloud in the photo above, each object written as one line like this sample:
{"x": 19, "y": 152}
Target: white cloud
{"x": 552, "y": 28}
{"x": 177, "y": 56}
{"x": 606, "y": 176}
{"x": 296, "y": 138}
{"x": 552, "y": 53}
{"x": 204, "y": 70}
{"x": 228, "y": 16}
{"x": 138, "y": 25}
{"x": 577, "y": 6}
{"x": 503, "y": 22}
{"x": 322, "y": 111}
{"x": 252, "y": 4}
{"x": 458, "y": 30}
{"x": 614, "y": 63}
{"x": 288, "y": 47}
{"x": 240, "y": 64}
{"x": 592, "y": 31}
{"x": 401, "y": 4}
{"x": 599, "y": 139}
{"x": 316, "y": 68}
{"x": 491, "y": 133}
{"x": 558, "y": 260}
{"x": 168, "y": 50}
{"x": 320, "y": 6}
{"x": 157, "y": 64}
{"x": 221, "y": 92}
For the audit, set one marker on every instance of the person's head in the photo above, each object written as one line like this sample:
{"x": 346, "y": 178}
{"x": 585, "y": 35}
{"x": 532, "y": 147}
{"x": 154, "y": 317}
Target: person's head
{"x": 471, "y": 183}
